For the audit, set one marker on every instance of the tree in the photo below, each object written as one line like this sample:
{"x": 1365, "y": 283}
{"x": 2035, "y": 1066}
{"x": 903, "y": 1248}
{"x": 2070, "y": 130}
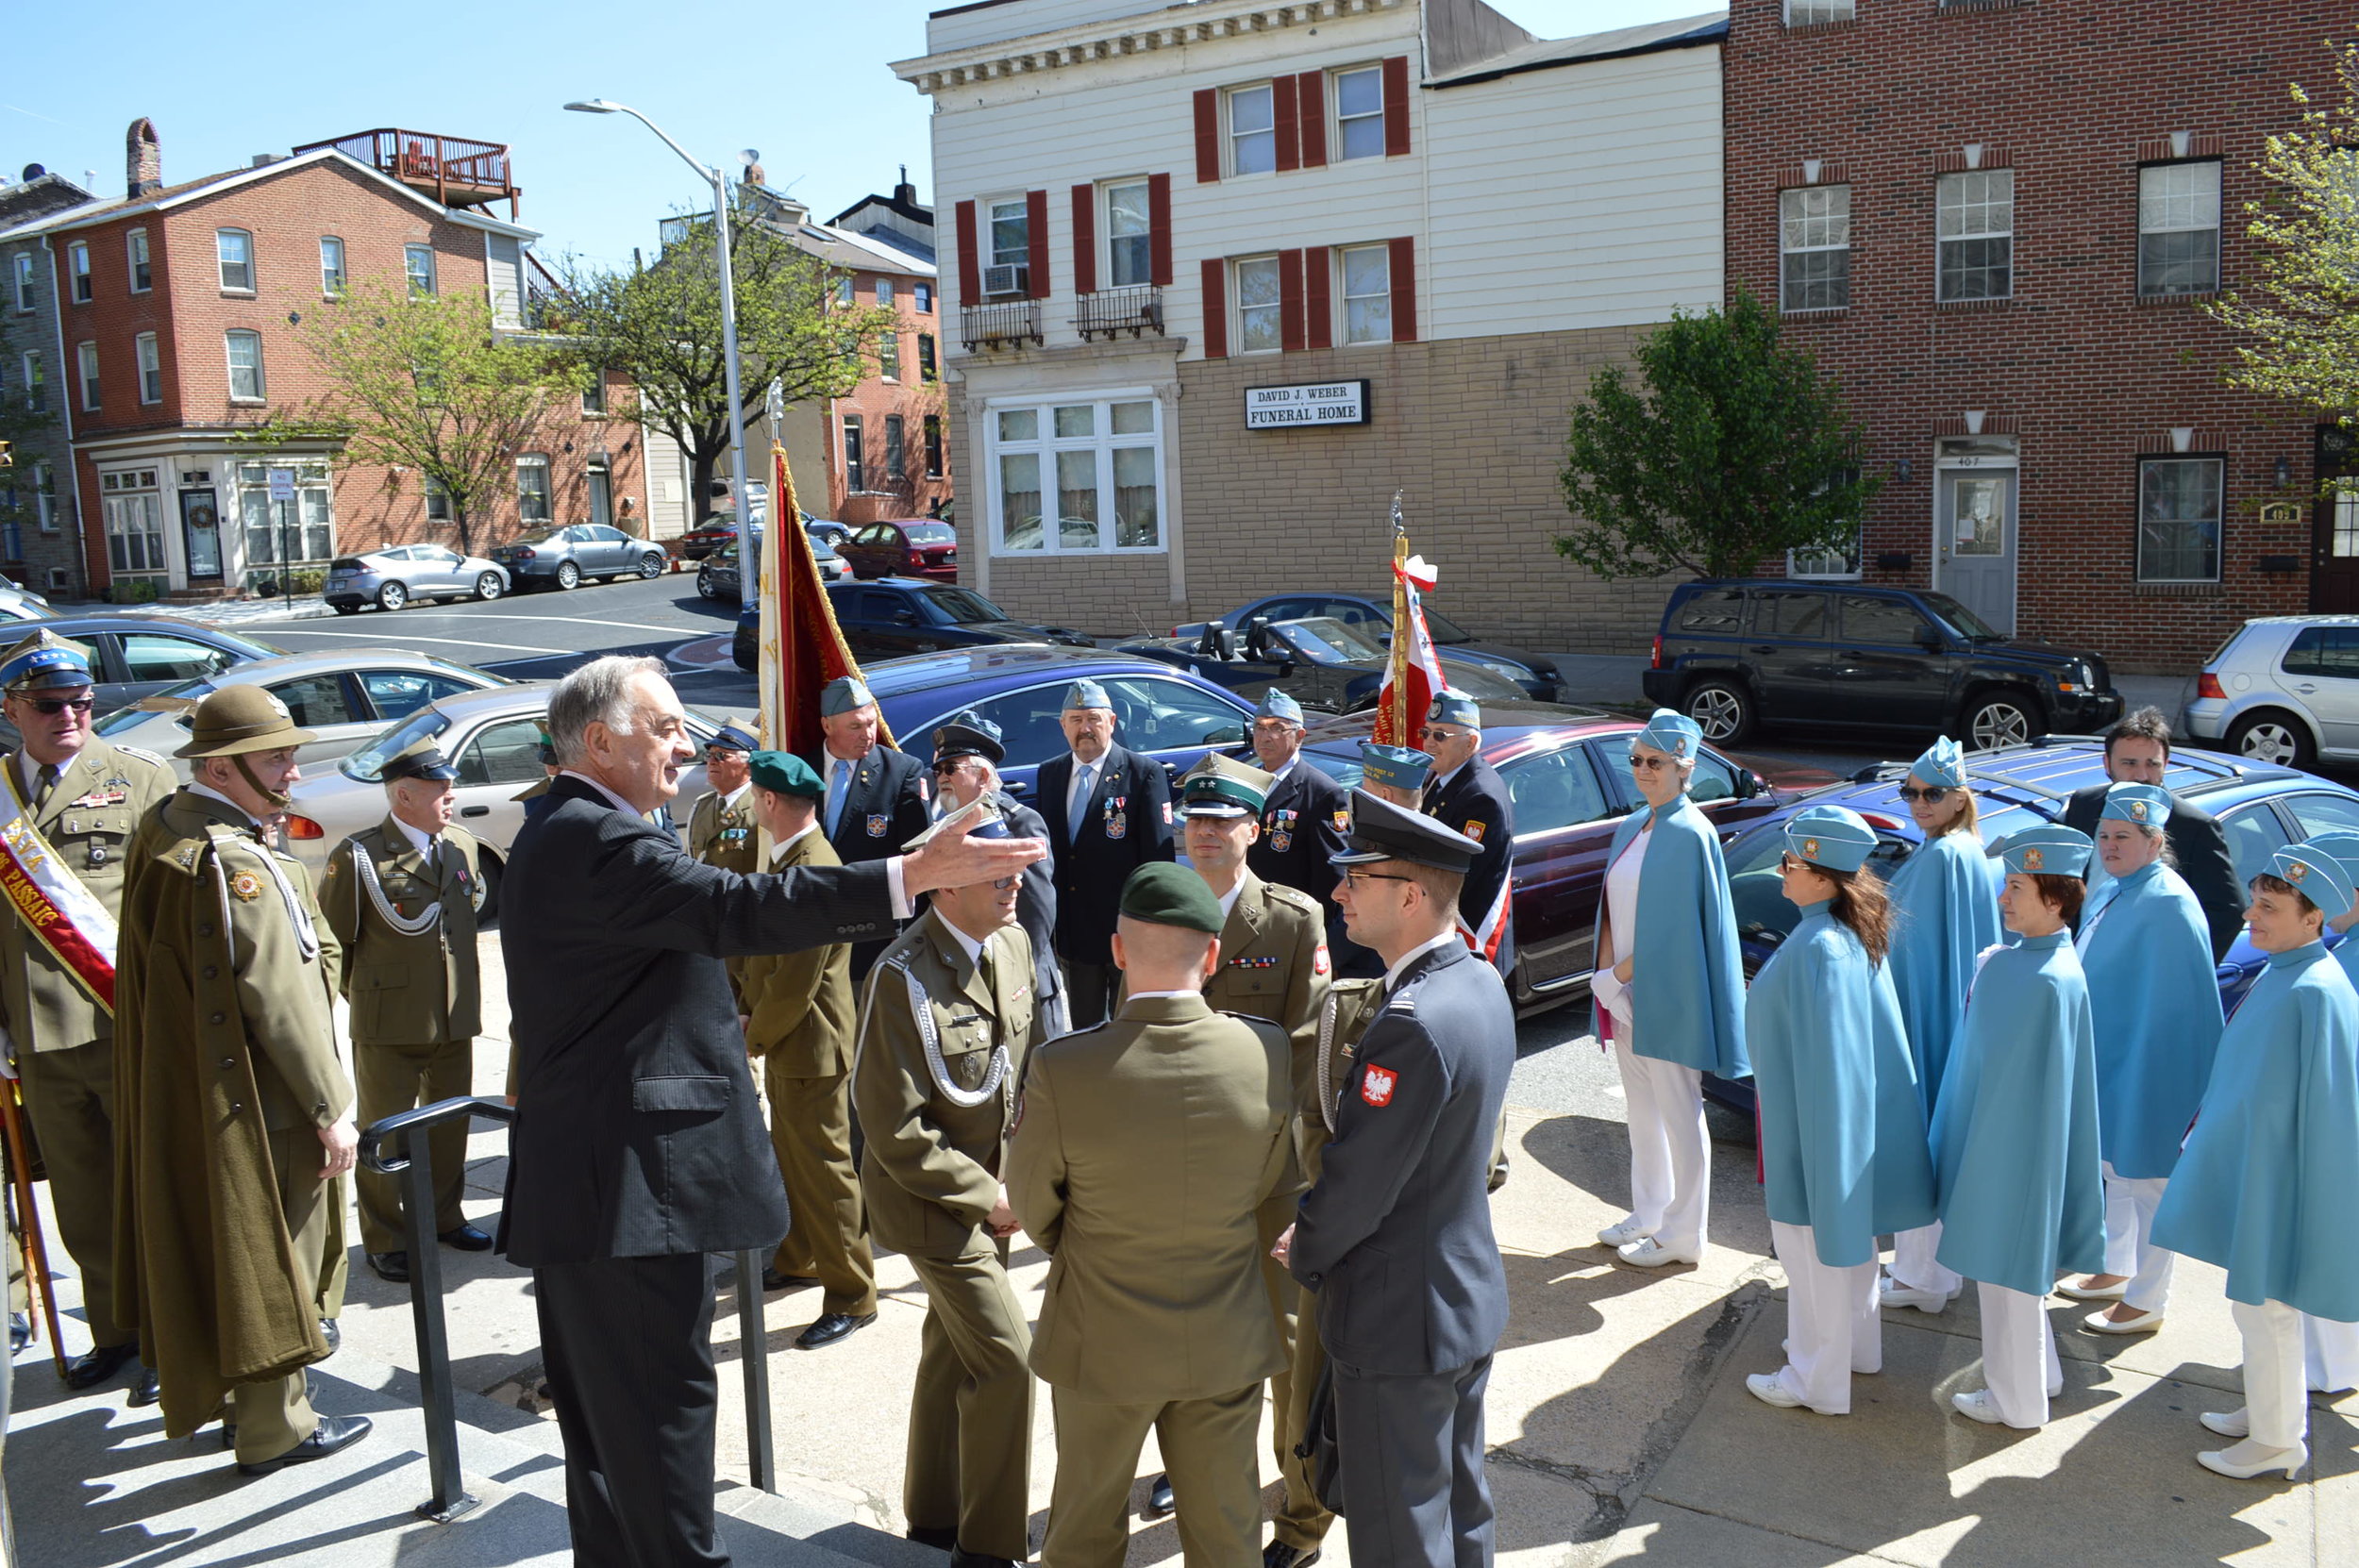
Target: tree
{"x": 660, "y": 327}
{"x": 2302, "y": 317}
{"x": 1732, "y": 449}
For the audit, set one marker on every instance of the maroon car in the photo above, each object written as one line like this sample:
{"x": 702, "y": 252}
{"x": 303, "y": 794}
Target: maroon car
{"x": 915, "y": 547}
{"x": 1567, "y": 771}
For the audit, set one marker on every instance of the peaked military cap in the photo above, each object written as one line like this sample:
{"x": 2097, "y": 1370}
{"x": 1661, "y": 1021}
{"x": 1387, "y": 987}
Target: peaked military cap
{"x": 731, "y": 738}
{"x": 1164, "y": 892}
{"x": 240, "y": 719}
{"x": 43, "y": 662}
{"x": 1221, "y": 787}
{"x": 420, "y": 759}
{"x": 969, "y": 734}
{"x": 1383, "y": 831}
{"x": 988, "y": 824}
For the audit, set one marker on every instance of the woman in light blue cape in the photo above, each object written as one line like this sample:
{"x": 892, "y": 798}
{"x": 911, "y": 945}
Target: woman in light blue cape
{"x": 2147, "y": 951}
{"x": 1841, "y": 1126}
{"x": 1670, "y": 995}
{"x": 1945, "y": 914}
{"x": 2015, "y": 1153}
{"x": 2265, "y": 1185}
{"x": 2331, "y": 1349}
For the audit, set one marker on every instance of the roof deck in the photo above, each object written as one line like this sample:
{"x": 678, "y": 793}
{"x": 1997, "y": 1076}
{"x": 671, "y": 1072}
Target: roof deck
{"x": 455, "y": 170}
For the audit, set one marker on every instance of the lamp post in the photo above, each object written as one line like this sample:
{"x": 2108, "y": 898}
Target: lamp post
{"x": 746, "y": 556}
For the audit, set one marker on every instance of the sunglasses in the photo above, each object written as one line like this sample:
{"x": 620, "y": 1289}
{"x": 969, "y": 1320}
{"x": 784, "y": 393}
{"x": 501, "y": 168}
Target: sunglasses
{"x": 1433, "y": 732}
{"x": 950, "y": 764}
{"x": 1929, "y": 795}
{"x": 1649, "y": 763}
{"x": 52, "y": 707}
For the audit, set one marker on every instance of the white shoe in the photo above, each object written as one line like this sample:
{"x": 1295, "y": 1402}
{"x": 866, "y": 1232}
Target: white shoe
{"x": 1982, "y": 1404}
{"x": 2232, "y": 1424}
{"x": 1891, "y": 1293}
{"x": 2249, "y": 1460}
{"x": 1622, "y": 1232}
{"x": 2101, "y": 1292}
{"x": 1770, "y": 1390}
{"x": 1647, "y": 1252}
{"x": 2103, "y": 1323}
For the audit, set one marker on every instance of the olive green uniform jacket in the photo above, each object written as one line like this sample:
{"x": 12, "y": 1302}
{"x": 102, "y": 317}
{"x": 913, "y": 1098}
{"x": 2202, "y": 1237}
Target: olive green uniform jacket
{"x": 800, "y": 1004}
{"x": 1274, "y": 964}
{"x": 406, "y": 987}
{"x": 722, "y": 835}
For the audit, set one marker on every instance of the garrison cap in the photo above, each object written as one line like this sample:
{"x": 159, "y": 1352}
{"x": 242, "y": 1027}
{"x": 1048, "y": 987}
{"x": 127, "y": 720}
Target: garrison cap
{"x": 1276, "y": 704}
{"x": 988, "y": 824}
{"x": 1829, "y": 838}
{"x": 731, "y": 738}
{"x": 2316, "y": 874}
{"x": 841, "y": 695}
{"x": 2145, "y": 805}
{"x": 2050, "y": 849}
{"x": 420, "y": 759}
{"x": 783, "y": 773}
{"x": 1943, "y": 763}
{"x": 1086, "y": 693}
{"x": 2343, "y": 844}
{"x": 1395, "y": 767}
{"x": 1218, "y": 787}
{"x": 1672, "y": 734}
{"x": 237, "y": 720}
{"x": 1453, "y": 706}
{"x": 1164, "y": 892}
{"x": 43, "y": 662}
{"x": 968, "y": 734}
{"x": 1383, "y": 831}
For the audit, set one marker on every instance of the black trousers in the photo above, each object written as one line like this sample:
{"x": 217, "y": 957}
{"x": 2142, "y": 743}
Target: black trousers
{"x": 1411, "y": 1455}
{"x": 628, "y": 1347}
{"x": 1089, "y": 991}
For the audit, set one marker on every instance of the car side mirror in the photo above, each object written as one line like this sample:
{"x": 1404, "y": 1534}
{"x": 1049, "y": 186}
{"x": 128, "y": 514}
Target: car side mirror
{"x": 1750, "y": 784}
{"x": 1931, "y": 641}
{"x": 905, "y": 618}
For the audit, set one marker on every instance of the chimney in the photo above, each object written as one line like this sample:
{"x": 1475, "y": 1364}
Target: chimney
{"x": 904, "y": 192}
{"x": 142, "y": 160}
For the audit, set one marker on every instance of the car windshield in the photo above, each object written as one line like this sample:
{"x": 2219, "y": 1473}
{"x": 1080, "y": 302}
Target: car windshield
{"x": 1962, "y": 620}
{"x": 425, "y": 723}
{"x": 930, "y": 533}
{"x": 1327, "y": 641}
{"x": 467, "y": 673}
{"x": 959, "y": 607}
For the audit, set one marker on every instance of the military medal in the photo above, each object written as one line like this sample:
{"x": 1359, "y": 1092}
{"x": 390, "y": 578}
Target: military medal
{"x": 1117, "y": 820}
{"x": 877, "y": 824}
{"x": 247, "y": 885}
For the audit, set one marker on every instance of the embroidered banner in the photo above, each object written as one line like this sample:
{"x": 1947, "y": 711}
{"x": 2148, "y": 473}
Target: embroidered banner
{"x": 63, "y": 915}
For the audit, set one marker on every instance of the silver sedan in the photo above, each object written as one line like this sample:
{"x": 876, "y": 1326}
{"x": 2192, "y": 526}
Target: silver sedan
{"x": 390, "y": 577}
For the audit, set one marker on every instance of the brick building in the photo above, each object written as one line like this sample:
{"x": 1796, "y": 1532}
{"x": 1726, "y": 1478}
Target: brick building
{"x": 179, "y": 339}
{"x": 1996, "y": 222}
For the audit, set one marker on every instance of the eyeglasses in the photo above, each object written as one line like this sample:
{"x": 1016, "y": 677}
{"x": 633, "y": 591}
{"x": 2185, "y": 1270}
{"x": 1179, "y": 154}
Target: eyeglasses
{"x": 1929, "y": 795}
{"x": 1648, "y": 761}
{"x": 1004, "y": 883}
{"x": 1358, "y": 877}
{"x": 1435, "y": 732}
{"x": 950, "y": 764}
{"x": 52, "y": 707}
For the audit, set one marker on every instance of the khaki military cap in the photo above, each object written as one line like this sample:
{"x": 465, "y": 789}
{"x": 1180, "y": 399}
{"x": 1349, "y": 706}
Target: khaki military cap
{"x": 239, "y": 719}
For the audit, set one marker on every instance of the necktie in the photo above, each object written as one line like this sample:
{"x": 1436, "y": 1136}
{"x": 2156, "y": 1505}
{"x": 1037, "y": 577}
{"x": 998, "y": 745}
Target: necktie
{"x": 1084, "y": 784}
{"x": 49, "y": 775}
{"x": 839, "y": 785}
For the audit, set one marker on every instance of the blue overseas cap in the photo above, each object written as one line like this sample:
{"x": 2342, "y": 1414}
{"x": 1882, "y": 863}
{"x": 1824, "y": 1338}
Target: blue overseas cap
{"x": 731, "y": 738}
{"x": 2316, "y": 874}
{"x": 1276, "y": 704}
{"x": 1672, "y": 734}
{"x": 2052, "y": 849}
{"x": 1395, "y": 767}
{"x": 44, "y": 659}
{"x": 2343, "y": 844}
{"x": 1086, "y": 693}
{"x": 841, "y": 695}
{"x": 1453, "y": 706}
{"x": 1383, "y": 831}
{"x": 1943, "y": 763}
{"x": 1831, "y": 838}
{"x": 2146, "y": 804}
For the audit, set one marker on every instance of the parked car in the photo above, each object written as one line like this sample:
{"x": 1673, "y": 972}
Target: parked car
{"x": 1736, "y": 654}
{"x": 137, "y": 656}
{"x": 22, "y": 606}
{"x": 887, "y": 617}
{"x": 2283, "y": 689}
{"x": 913, "y": 547}
{"x": 1537, "y": 673}
{"x": 721, "y": 528}
{"x": 390, "y": 577}
{"x": 578, "y": 553}
{"x": 717, "y": 575}
{"x": 1321, "y": 661}
{"x": 10, "y": 585}
{"x": 343, "y": 698}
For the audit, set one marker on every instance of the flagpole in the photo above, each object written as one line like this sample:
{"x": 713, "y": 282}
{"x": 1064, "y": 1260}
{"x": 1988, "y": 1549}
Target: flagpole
{"x": 1398, "y": 702}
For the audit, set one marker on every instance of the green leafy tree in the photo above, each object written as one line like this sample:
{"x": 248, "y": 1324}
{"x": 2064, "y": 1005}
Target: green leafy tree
{"x": 660, "y": 327}
{"x": 1728, "y": 449}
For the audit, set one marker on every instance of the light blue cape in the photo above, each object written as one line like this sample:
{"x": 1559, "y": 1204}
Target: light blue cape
{"x": 1842, "y": 1127}
{"x": 2155, "y": 1001}
{"x": 2266, "y": 1185}
{"x": 2015, "y": 1132}
{"x": 1945, "y": 911}
{"x": 1687, "y": 982}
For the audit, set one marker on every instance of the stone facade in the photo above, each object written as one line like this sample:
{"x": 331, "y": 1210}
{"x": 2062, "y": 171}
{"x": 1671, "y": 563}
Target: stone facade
{"x": 37, "y": 503}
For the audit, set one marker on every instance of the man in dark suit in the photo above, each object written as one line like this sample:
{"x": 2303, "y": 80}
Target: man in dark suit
{"x": 2137, "y": 750}
{"x": 639, "y": 1148}
{"x": 1467, "y": 795}
{"x": 1109, "y": 813}
{"x": 877, "y": 797}
{"x": 967, "y": 754}
{"x": 1395, "y": 1235}
{"x": 1303, "y": 825}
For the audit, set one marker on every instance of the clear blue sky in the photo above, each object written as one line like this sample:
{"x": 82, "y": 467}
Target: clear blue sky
{"x": 804, "y": 82}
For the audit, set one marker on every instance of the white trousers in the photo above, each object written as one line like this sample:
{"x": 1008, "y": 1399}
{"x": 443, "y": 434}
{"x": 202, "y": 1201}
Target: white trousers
{"x": 2129, "y": 1249}
{"x": 1833, "y": 1327}
{"x": 2275, "y": 1399}
{"x": 2019, "y": 1363}
{"x": 1914, "y": 1265}
{"x": 1670, "y": 1154}
{"x": 2330, "y": 1354}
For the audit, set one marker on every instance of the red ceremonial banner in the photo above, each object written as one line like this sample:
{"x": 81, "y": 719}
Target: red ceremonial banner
{"x": 802, "y": 647}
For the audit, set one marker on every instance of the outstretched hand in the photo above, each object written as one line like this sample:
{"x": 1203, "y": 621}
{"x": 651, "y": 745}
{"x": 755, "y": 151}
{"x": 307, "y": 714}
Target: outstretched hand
{"x": 953, "y": 859}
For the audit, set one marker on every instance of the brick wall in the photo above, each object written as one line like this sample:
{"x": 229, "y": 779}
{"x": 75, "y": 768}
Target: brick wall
{"x": 911, "y": 399}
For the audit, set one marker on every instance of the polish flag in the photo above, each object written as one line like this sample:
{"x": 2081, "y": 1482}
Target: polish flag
{"x": 1414, "y": 677}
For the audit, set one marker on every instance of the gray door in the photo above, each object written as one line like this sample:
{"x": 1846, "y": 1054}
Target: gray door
{"x": 436, "y": 570}
{"x": 1974, "y": 521}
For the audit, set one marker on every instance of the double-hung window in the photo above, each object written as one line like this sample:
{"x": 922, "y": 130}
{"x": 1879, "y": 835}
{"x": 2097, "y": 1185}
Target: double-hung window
{"x": 1815, "y": 248}
{"x": 1258, "y": 325}
{"x": 889, "y": 355}
{"x": 855, "y": 469}
{"x": 532, "y": 486}
{"x": 884, "y": 291}
{"x": 85, "y": 362}
{"x": 1252, "y": 130}
{"x": 233, "y": 250}
{"x": 1360, "y": 112}
{"x": 896, "y": 450}
{"x": 933, "y": 446}
{"x": 78, "y": 271}
{"x": 331, "y": 266}
{"x": 24, "y": 291}
{"x": 1008, "y": 273}
{"x": 417, "y": 261}
{"x": 1130, "y": 236}
{"x": 926, "y": 368}
{"x": 134, "y": 248}
{"x": 36, "y": 386}
{"x": 1976, "y": 220}
{"x": 1076, "y": 476}
{"x": 245, "y": 367}
{"x": 593, "y": 393}
{"x": 2179, "y": 518}
{"x": 45, "y": 497}
{"x": 151, "y": 368}
{"x": 1368, "y": 278}
{"x": 925, "y": 292}
{"x": 2178, "y": 229}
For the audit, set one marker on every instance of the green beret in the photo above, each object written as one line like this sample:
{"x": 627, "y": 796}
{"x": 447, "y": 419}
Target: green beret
{"x": 1164, "y": 892}
{"x": 783, "y": 773}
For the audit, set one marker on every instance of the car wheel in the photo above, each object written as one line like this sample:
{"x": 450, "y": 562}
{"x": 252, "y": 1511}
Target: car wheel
{"x": 489, "y": 868}
{"x": 1722, "y": 709}
{"x": 704, "y": 586}
{"x": 651, "y": 564}
{"x": 568, "y": 575}
{"x": 2273, "y": 736}
{"x": 2001, "y": 719}
{"x": 488, "y": 585}
{"x": 346, "y": 610}
{"x": 391, "y": 596}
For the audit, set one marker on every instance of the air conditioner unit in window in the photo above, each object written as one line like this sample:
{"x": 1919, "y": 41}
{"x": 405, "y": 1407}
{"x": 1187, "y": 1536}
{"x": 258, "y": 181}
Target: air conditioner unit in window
{"x": 1015, "y": 279}
{"x": 60, "y": 579}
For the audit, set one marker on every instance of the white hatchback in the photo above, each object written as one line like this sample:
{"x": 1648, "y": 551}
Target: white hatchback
{"x": 2283, "y": 689}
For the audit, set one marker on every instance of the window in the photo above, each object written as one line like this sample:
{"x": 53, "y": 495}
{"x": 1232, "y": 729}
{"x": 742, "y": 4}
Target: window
{"x": 331, "y": 266}
{"x": 78, "y": 271}
{"x": 2253, "y": 839}
{"x": 1252, "y": 130}
{"x": 294, "y": 531}
{"x": 933, "y": 446}
{"x": 245, "y": 367}
{"x": 896, "y": 457}
{"x": 1359, "y": 113}
{"x": 927, "y": 369}
{"x": 2179, "y": 515}
{"x": 925, "y": 292}
{"x": 1063, "y": 471}
{"x": 2325, "y": 814}
{"x": 1796, "y": 614}
{"x": 1257, "y": 305}
{"x": 1152, "y": 713}
{"x": 505, "y": 753}
{"x": 1873, "y": 618}
{"x": 397, "y": 694}
{"x": 85, "y": 362}
{"x": 1555, "y": 789}
{"x": 532, "y": 486}
{"x": 234, "y": 249}
{"x": 45, "y": 497}
{"x": 889, "y": 355}
{"x": 884, "y": 291}
{"x": 1714, "y": 611}
{"x": 142, "y": 276}
{"x": 1977, "y": 235}
{"x": 36, "y": 386}
{"x": 1130, "y": 236}
{"x": 134, "y": 521}
{"x": 316, "y": 700}
{"x": 593, "y": 394}
{"x": 437, "y": 502}
{"x": 855, "y": 476}
{"x": 149, "y": 656}
{"x": 844, "y": 292}
{"x": 599, "y": 478}
{"x": 1818, "y": 14}
{"x": 1367, "y": 295}
{"x": 2323, "y": 651}
{"x": 1838, "y": 560}
{"x": 151, "y": 368}
{"x": 417, "y": 263}
{"x": 2178, "y": 229}
{"x": 24, "y": 283}
{"x": 1011, "y": 261}
{"x": 1815, "y": 248}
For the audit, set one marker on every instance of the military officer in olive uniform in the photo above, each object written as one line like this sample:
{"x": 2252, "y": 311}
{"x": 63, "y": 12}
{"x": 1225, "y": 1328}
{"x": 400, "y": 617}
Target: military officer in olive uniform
{"x": 237, "y": 1119}
{"x": 1143, "y": 1150}
{"x": 402, "y": 898}
{"x": 947, "y": 1020}
{"x": 721, "y": 827}
{"x": 73, "y": 801}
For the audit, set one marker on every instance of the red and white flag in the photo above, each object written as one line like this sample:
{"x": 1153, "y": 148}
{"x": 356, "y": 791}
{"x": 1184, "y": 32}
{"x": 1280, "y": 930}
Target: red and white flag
{"x": 1414, "y": 677}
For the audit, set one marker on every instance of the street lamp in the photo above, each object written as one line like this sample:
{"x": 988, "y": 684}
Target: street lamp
{"x": 747, "y": 567}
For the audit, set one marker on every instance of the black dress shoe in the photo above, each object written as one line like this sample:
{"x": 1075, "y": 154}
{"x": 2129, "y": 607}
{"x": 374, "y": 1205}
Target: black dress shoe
{"x": 1159, "y": 1498}
{"x": 945, "y": 1539}
{"x": 94, "y": 1367}
{"x": 467, "y": 1238}
{"x": 962, "y": 1558}
{"x": 333, "y": 1335}
{"x": 831, "y": 1328}
{"x": 20, "y": 1332}
{"x": 333, "y": 1434}
{"x": 393, "y": 1266}
{"x": 148, "y": 1390}
{"x": 1278, "y": 1555}
{"x": 773, "y": 1281}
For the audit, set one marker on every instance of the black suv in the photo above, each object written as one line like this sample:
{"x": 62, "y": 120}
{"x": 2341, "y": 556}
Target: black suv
{"x": 1734, "y": 655}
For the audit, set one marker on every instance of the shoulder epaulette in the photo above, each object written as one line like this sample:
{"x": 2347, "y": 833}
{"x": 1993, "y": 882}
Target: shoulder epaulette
{"x": 141, "y": 753}
{"x": 1294, "y": 898}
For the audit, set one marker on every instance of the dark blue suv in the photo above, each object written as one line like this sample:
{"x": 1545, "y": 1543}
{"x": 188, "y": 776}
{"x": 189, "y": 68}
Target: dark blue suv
{"x": 1734, "y": 655}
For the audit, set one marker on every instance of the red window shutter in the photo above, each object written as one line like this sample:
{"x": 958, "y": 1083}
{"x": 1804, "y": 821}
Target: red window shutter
{"x": 1159, "y": 228}
{"x": 970, "y": 274}
{"x": 1290, "y": 300}
{"x": 1215, "y": 274}
{"x": 1404, "y": 291}
{"x": 1282, "y": 96}
{"x": 1311, "y": 111}
{"x": 1085, "y": 238}
{"x": 1396, "y": 105}
{"x": 1317, "y": 277}
{"x": 1207, "y": 135}
{"x": 1036, "y": 221}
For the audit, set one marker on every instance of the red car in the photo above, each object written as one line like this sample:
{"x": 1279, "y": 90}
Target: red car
{"x": 918, "y": 548}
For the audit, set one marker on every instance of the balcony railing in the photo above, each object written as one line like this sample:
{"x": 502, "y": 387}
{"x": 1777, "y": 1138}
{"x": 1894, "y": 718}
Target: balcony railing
{"x": 455, "y": 170}
{"x": 1110, "y": 312}
{"x": 1010, "y": 323}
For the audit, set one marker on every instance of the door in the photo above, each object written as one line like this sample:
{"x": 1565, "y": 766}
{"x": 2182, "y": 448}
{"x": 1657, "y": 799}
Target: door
{"x": 1975, "y": 536}
{"x": 601, "y": 494}
{"x": 2319, "y": 670}
{"x": 892, "y": 623}
{"x": 323, "y": 703}
{"x": 1786, "y": 643}
{"x": 200, "y": 532}
{"x": 1883, "y": 672}
{"x": 1565, "y": 822}
{"x": 151, "y": 661}
{"x": 2334, "y": 527}
{"x": 437, "y": 571}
